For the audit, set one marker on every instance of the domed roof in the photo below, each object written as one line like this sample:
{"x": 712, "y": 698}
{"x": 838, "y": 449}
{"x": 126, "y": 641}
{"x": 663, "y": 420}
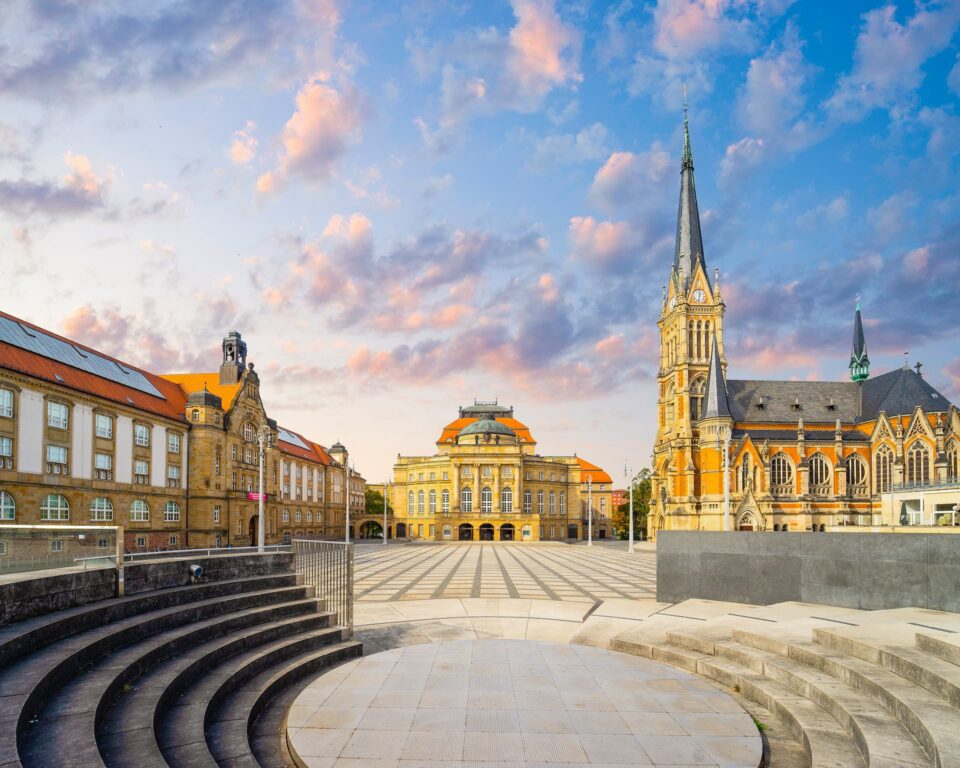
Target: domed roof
{"x": 338, "y": 446}
{"x": 487, "y": 427}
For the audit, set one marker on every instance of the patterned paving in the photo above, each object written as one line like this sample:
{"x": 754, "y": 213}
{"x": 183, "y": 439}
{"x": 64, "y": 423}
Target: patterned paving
{"x": 517, "y": 703}
{"x": 532, "y": 571}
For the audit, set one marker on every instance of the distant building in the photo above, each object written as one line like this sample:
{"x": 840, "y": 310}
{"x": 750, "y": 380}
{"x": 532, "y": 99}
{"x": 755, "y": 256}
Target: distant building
{"x": 619, "y": 496}
{"x": 487, "y": 483}
{"x": 86, "y": 439}
{"x": 789, "y": 455}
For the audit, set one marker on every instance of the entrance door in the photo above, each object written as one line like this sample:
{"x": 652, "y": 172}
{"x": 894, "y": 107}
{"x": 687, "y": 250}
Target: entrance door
{"x": 507, "y": 532}
{"x": 486, "y": 532}
{"x": 254, "y": 530}
{"x": 401, "y": 530}
{"x": 745, "y": 527}
{"x": 571, "y": 531}
{"x": 466, "y": 532}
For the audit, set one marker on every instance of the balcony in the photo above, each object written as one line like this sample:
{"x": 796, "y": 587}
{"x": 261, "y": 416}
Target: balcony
{"x": 104, "y": 474}
{"x": 57, "y": 469}
{"x": 821, "y": 490}
{"x": 785, "y": 489}
{"x": 6, "y": 462}
{"x": 925, "y": 485}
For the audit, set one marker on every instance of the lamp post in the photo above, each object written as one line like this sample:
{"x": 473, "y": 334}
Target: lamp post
{"x": 589, "y": 510}
{"x": 631, "y": 479}
{"x": 386, "y": 490}
{"x": 346, "y": 527}
{"x": 263, "y": 436}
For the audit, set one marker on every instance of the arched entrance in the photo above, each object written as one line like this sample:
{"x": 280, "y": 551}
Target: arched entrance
{"x": 571, "y": 531}
{"x": 486, "y": 532}
{"x": 507, "y": 532}
{"x": 466, "y": 532}
{"x": 748, "y": 521}
{"x": 602, "y": 533}
{"x": 254, "y": 530}
{"x": 371, "y": 530}
{"x": 401, "y": 530}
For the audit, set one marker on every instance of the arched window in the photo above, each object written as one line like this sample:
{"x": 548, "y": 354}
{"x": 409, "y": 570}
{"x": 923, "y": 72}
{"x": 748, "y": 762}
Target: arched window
{"x": 781, "y": 473}
{"x": 8, "y": 507}
{"x": 445, "y": 502}
{"x": 883, "y": 468}
{"x": 139, "y": 511}
{"x": 419, "y": 502}
{"x": 697, "y": 387}
{"x": 918, "y": 463}
{"x": 856, "y": 474}
{"x": 101, "y": 510}
{"x": 819, "y": 475}
{"x": 691, "y": 338}
{"x": 699, "y": 341}
{"x": 706, "y": 340}
{"x": 506, "y": 500}
{"x": 195, "y": 414}
{"x": 54, "y": 507}
{"x": 539, "y": 502}
{"x": 433, "y": 502}
{"x": 466, "y": 499}
{"x": 745, "y": 472}
{"x": 410, "y": 503}
{"x": 953, "y": 461}
{"x": 486, "y": 500}
{"x": 171, "y": 512}
{"x": 668, "y": 406}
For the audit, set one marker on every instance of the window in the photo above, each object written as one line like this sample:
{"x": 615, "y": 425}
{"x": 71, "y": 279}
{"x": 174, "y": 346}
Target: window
{"x": 433, "y": 476}
{"x": 745, "y": 472}
{"x": 553, "y": 502}
{"x": 883, "y": 468}
{"x": 410, "y": 477}
{"x": 233, "y": 452}
{"x": 697, "y": 388}
{"x": 819, "y": 475}
{"x": 216, "y": 461}
{"x": 286, "y": 515}
{"x": 445, "y": 502}
{"x": 918, "y": 463}
{"x": 101, "y": 510}
{"x": 102, "y": 543}
{"x": 56, "y": 545}
{"x": 527, "y": 502}
{"x": 506, "y": 500}
{"x": 781, "y": 473}
{"x": 173, "y": 540}
{"x": 233, "y": 481}
{"x": 139, "y": 511}
{"x": 173, "y": 442}
{"x": 298, "y": 517}
{"x": 309, "y": 516}
{"x": 6, "y": 453}
{"x": 141, "y": 471}
{"x": 195, "y": 414}
{"x": 8, "y": 508}
{"x": 104, "y": 426}
{"x": 563, "y": 503}
{"x": 420, "y": 502}
{"x": 216, "y": 513}
{"x": 6, "y": 403}
{"x": 487, "y": 472}
{"x": 856, "y": 474}
{"x": 603, "y": 504}
{"x": 173, "y": 476}
{"x": 508, "y": 471}
{"x": 141, "y": 541}
{"x": 248, "y": 457}
{"x": 141, "y": 435}
{"x": 540, "y": 475}
{"x": 171, "y": 512}
{"x": 486, "y": 500}
{"x": 466, "y": 499}
{"x": 249, "y": 434}
{"x": 953, "y": 461}
{"x": 526, "y": 475}
{"x": 216, "y": 420}
{"x": 420, "y": 477}
{"x": 103, "y": 464}
{"x": 410, "y": 503}
{"x": 446, "y": 475}
{"x": 539, "y": 502}
{"x": 433, "y": 501}
{"x": 56, "y": 460}
{"x": 57, "y": 415}
{"x": 54, "y": 507}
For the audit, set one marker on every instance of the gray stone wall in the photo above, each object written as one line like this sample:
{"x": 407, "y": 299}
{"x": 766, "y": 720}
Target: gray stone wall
{"x": 852, "y": 570}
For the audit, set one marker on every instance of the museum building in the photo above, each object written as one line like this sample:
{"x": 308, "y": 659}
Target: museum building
{"x": 787, "y": 455}
{"x": 487, "y": 483}
{"x": 86, "y": 439}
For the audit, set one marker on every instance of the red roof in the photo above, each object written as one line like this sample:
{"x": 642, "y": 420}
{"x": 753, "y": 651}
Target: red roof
{"x": 597, "y": 475}
{"x": 62, "y": 375}
{"x": 314, "y": 451}
{"x": 450, "y": 432}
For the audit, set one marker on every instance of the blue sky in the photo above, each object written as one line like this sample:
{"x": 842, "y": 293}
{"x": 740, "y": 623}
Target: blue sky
{"x": 403, "y": 206}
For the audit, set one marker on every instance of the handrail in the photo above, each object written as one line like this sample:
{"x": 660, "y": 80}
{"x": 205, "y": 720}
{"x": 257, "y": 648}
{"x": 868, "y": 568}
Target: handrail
{"x": 327, "y": 566}
{"x": 208, "y": 551}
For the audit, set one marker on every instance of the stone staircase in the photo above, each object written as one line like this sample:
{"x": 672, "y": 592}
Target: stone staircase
{"x": 868, "y": 689}
{"x": 176, "y": 676}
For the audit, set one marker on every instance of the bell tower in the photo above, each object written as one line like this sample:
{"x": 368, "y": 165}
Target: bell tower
{"x": 234, "y": 358}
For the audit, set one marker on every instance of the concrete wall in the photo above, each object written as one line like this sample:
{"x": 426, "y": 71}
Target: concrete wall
{"x": 851, "y": 570}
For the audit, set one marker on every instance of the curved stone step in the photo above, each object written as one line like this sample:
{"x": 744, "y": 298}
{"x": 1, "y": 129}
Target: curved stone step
{"x": 69, "y": 720}
{"x": 884, "y": 740}
{"x": 181, "y": 730}
{"x": 229, "y": 729}
{"x": 941, "y": 647}
{"x": 30, "y": 682}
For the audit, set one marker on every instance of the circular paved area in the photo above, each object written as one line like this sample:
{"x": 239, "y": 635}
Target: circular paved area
{"x": 505, "y": 703}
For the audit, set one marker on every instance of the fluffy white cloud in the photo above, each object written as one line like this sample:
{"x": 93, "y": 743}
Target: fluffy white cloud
{"x": 602, "y": 244}
{"x": 544, "y": 53}
{"x": 243, "y": 148}
{"x": 741, "y": 159}
{"x": 589, "y": 143}
{"x": 627, "y": 177}
{"x": 773, "y": 95}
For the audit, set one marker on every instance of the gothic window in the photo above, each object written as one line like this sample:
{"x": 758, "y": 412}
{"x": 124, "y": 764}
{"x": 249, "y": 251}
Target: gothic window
{"x": 699, "y": 341}
{"x": 433, "y": 502}
{"x": 819, "y": 475}
{"x": 445, "y": 502}
{"x": 668, "y": 406}
{"x": 781, "y": 473}
{"x": 691, "y": 337}
{"x": 539, "y": 502}
{"x": 706, "y": 340}
{"x": 745, "y": 472}
{"x": 466, "y": 499}
{"x": 410, "y": 503}
{"x": 697, "y": 389}
{"x": 918, "y": 463}
{"x": 856, "y": 474}
{"x": 419, "y": 502}
{"x": 506, "y": 500}
{"x": 953, "y": 461}
{"x": 883, "y": 468}
{"x": 486, "y": 501}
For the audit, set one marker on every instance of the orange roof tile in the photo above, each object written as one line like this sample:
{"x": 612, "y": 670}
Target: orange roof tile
{"x": 450, "y": 431}
{"x": 596, "y": 474}
{"x": 195, "y": 382}
{"x": 14, "y": 358}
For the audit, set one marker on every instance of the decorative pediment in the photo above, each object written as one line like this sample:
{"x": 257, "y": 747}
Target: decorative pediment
{"x": 919, "y": 426}
{"x": 882, "y": 429}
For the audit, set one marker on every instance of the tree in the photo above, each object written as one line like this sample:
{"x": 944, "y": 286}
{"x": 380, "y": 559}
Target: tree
{"x": 642, "y": 490}
{"x": 373, "y": 503}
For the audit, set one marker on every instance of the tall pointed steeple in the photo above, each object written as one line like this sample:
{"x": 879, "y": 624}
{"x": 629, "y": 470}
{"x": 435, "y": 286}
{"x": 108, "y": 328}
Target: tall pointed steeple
{"x": 859, "y": 362}
{"x": 715, "y": 402}
{"x": 689, "y": 248}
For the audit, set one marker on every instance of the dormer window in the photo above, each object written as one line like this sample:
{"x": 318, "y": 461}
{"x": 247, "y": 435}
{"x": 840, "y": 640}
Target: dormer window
{"x": 195, "y": 414}
{"x": 796, "y": 403}
{"x": 831, "y": 406}
{"x": 760, "y": 404}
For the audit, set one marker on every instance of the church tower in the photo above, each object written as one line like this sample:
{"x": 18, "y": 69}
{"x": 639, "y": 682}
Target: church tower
{"x": 691, "y": 324}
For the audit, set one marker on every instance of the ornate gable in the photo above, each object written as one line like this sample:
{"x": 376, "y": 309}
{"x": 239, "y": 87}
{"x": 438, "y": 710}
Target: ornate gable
{"x": 919, "y": 426}
{"x": 882, "y": 430}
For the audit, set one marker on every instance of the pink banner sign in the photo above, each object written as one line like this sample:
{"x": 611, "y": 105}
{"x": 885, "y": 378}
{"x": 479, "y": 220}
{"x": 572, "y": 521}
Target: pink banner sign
{"x": 256, "y": 496}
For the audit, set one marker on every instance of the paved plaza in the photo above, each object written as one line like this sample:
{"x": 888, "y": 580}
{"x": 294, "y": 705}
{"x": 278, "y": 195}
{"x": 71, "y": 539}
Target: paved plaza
{"x": 541, "y": 571}
{"x": 505, "y": 703}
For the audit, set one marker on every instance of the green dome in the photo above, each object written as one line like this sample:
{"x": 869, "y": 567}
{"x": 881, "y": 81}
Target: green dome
{"x": 487, "y": 427}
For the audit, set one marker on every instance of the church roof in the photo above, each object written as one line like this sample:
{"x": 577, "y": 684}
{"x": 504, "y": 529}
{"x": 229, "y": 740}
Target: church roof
{"x": 810, "y": 435}
{"x": 899, "y": 392}
{"x": 816, "y": 402}
{"x": 487, "y": 427}
{"x": 715, "y": 402}
{"x": 689, "y": 245}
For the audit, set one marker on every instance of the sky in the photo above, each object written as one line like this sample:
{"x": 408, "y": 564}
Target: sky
{"x": 403, "y": 206}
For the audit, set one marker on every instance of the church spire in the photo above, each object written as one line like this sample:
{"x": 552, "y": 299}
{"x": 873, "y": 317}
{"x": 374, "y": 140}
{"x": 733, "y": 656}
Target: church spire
{"x": 715, "y": 400}
{"x": 859, "y": 362}
{"x": 689, "y": 247}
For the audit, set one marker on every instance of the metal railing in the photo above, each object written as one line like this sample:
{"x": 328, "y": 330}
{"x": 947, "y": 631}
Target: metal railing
{"x": 207, "y": 552}
{"x": 328, "y": 567}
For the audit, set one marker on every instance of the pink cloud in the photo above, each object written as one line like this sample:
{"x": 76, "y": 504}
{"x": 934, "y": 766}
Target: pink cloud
{"x": 601, "y": 243}
{"x": 952, "y": 371}
{"x": 742, "y": 158}
{"x": 627, "y": 177}
{"x": 544, "y": 51}
{"x": 686, "y": 28}
{"x": 243, "y": 148}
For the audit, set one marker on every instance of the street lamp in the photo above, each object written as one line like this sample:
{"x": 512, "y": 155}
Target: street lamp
{"x": 263, "y": 437}
{"x": 346, "y": 527}
{"x": 386, "y": 490}
{"x": 631, "y": 479}
{"x": 589, "y": 510}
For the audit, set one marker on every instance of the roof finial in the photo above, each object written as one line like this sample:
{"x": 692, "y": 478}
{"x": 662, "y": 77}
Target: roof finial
{"x": 906, "y": 361}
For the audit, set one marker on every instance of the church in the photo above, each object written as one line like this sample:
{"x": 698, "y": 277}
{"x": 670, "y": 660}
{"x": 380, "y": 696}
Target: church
{"x": 735, "y": 454}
